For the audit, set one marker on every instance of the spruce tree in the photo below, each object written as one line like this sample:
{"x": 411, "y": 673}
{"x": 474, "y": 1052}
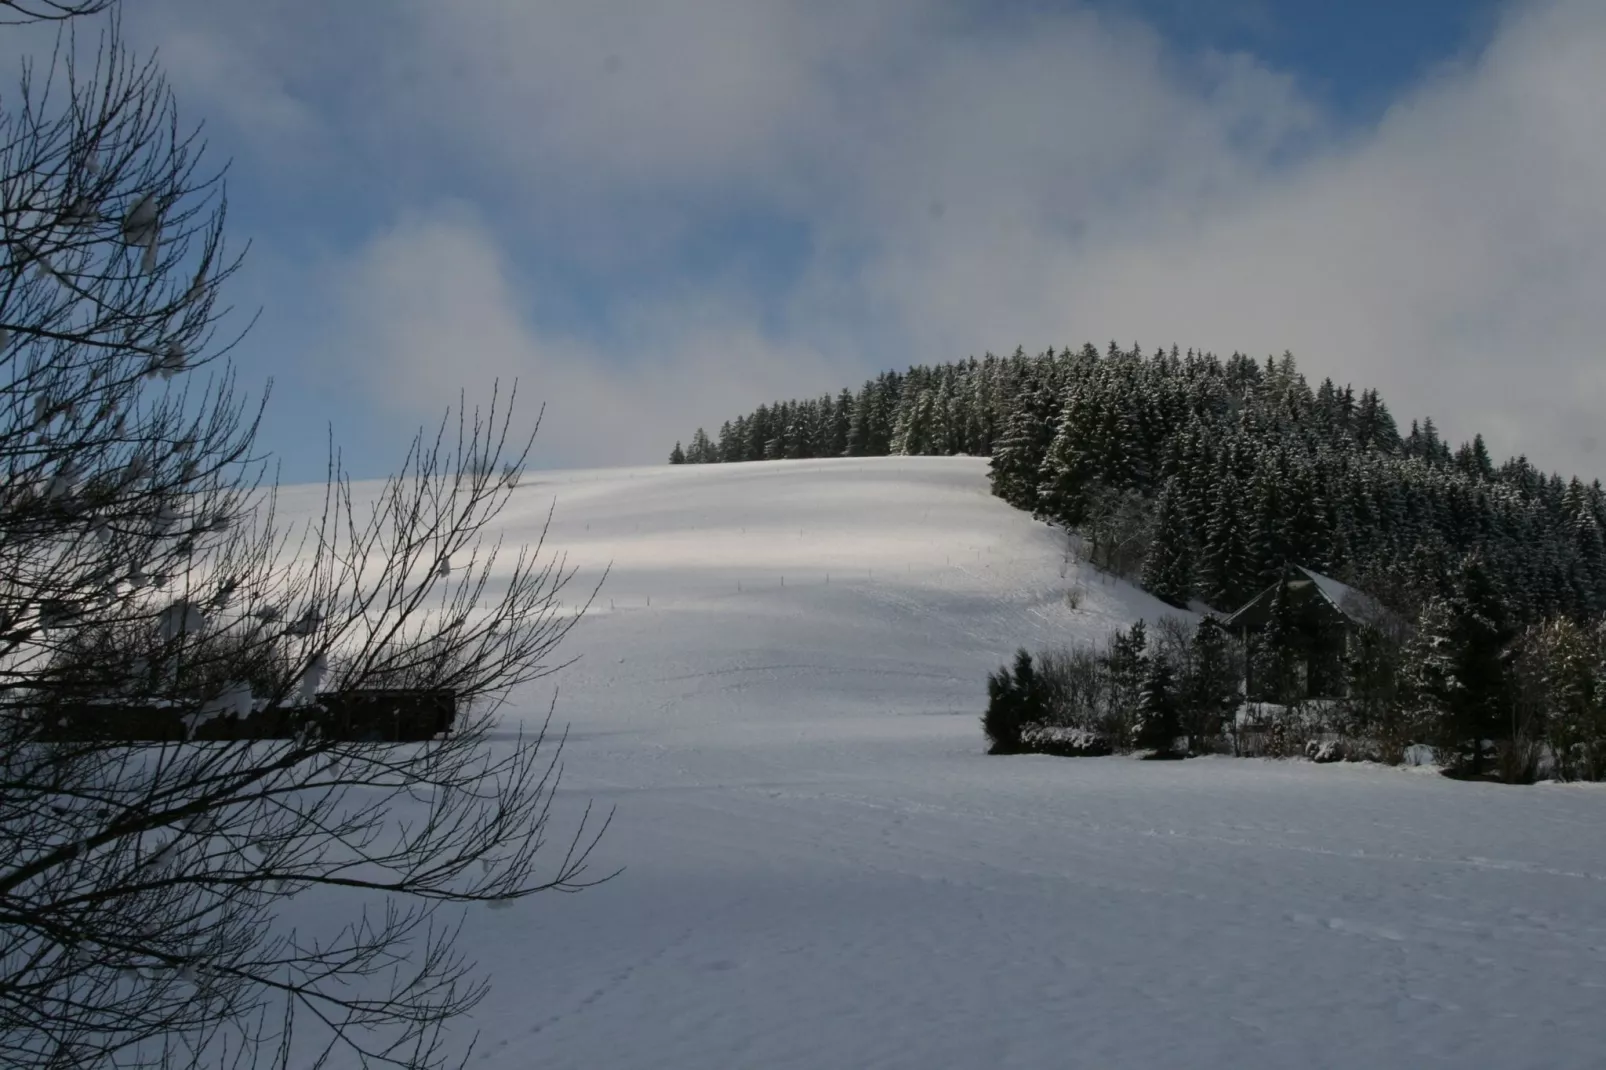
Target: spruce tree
{"x": 1210, "y": 687}
{"x": 1014, "y": 700}
{"x": 1279, "y": 651}
{"x": 1156, "y": 724}
{"x": 1168, "y": 567}
{"x": 1267, "y": 545}
{"x": 841, "y": 424}
{"x": 731, "y": 437}
{"x": 1574, "y": 702}
{"x": 1126, "y": 661}
{"x": 702, "y": 450}
{"x": 1016, "y": 467}
{"x": 1074, "y": 458}
{"x": 1372, "y": 668}
{"x": 1429, "y": 681}
{"x": 677, "y": 455}
{"x": 1480, "y": 703}
{"x": 1226, "y": 578}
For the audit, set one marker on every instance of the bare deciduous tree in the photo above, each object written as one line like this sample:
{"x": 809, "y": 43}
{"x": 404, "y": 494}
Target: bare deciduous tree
{"x": 216, "y": 901}
{"x": 20, "y": 12}
{"x": 1117, "y": 529}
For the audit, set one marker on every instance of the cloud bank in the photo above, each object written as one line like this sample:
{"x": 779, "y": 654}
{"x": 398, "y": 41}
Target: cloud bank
{"x": 657, "y": 216}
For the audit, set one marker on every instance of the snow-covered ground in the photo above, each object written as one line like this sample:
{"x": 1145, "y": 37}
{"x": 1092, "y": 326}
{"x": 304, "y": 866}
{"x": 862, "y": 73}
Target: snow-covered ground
{"x": 824, "y": 869}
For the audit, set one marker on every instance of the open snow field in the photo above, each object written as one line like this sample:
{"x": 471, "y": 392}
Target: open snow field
{"x": 824, "y": 869}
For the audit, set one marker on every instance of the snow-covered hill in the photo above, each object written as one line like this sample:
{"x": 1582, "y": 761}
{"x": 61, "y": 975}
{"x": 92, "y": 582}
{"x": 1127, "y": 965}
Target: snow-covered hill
{"x": 780, "y": 689}
{"x": 812, "y": 593}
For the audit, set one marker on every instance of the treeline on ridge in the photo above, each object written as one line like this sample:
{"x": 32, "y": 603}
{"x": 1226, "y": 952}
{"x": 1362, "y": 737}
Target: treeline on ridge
{"x": 1202, "y": 477}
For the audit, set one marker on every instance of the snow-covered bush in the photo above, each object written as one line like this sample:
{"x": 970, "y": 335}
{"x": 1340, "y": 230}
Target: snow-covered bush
{"x": 1326, "y": 750}
{"x": 1075, "y": 690}
{"x": 1063, "y": 740}
{"x": 1419, "y": 754}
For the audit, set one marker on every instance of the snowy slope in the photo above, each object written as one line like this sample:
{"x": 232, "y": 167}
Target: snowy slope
{"x": 825, "y": 870}
{"x": 809, "y": 592}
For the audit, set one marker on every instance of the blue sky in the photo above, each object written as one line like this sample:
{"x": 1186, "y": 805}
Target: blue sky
{"x": 1353, "y": 56}
{"x": 657, "y": 216}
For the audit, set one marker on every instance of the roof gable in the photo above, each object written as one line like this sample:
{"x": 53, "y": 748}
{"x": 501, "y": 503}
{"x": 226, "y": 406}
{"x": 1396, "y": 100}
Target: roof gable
{"x": 1356, "y": 605}
{"x": 1351, "y": 604}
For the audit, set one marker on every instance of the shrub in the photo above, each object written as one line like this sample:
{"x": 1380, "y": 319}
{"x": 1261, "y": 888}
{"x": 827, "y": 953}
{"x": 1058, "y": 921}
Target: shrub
{"x": 1064, "y": 741}
{"x": 1074, "y": 689}
{"x": 1013, "y": 700}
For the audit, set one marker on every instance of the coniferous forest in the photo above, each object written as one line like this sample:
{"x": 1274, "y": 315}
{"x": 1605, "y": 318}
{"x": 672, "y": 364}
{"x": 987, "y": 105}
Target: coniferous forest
{"x": 1201, "y": 478}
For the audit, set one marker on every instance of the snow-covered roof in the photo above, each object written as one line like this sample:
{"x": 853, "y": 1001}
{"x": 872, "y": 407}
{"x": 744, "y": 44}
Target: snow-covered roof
{"x": 1353, "y": 604}
{"x": 1346, "y": 599}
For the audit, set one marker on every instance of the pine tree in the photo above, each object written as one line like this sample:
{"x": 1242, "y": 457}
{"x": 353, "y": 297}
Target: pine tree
{"x": 1014, "y": 700}
{"x": 702, "y": 450}
{"x": 1168, "y": 568}
{"x": 1209, "y": 690}
{"x": 1589, "y": 548}
{"x": 730, "y": 440}
{"x": 1226, "y": 578}
{"x": 841, "y": 424}
{"x": 1126, "y": 661}
{"x": 677, "y": 455}
{"x": 1372, "y": 668}
{"x": 1458, "y": 665}
{"x": 1429, "y": 681}
{"x": 1267, "y": 544}
{"x": 1574, "y": 702}
{"x": 914, "y": 435}
{"x": 1156, "y": 724}
{"x": 1071, "y": 465}
{"x": 1015, "y": 468}
{"x": 1480, "y": 703}
{"x": 1279, "y": 652}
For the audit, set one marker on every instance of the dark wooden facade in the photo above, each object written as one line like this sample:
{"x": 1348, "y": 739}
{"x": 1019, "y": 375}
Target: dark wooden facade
{"x": 1325, "y": 614}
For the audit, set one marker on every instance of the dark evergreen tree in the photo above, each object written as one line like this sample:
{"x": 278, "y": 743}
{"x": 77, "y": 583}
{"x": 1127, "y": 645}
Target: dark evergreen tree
{"x": 731, "y": 437}
{"x": 841, "y": 425}
{"x": 1228, "y": 579}
{"x": 1168, "y": 568}
{"x": 1372, "y": 708}
{"x": 1015, "y": 469}
{"x": 1480, "y": 703}
{"x": 1014, "y": 700}
{"x": 1070, "y": 468}
{"x": 1126, "y": 661}
{"x": 1278, "y": 657}
{"x": 702, "y": 450}
{"x": 1210, "y": 688}
{"x": 677, "y": 455}
{"x": 1429, "y": 679}
{"x": 1157, "y": 724}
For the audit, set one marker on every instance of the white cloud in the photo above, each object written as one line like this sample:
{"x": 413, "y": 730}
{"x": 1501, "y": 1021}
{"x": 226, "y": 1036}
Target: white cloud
{"x": 216, "y": 71}
{"x": 432, "y": 308}
{"x": 965, "y": 184}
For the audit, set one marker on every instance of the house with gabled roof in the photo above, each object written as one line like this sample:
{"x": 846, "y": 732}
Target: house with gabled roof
{"x": 1326, "y": 615}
